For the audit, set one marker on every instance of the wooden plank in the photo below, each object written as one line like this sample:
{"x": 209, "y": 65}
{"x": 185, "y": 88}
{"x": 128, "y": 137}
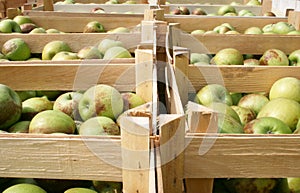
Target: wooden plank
{"x": 203, "y": 185}
{"x": 253, "y": 79}
{"x": 68, "y": 75}
{"x": 294, "y": 19}
{"x": 60, "y": 157}
{"x": 76, "y": 41}
{"x": 190, "y": 22}
{"x": 75, "y": 22}
{"x": 204, "y": 1}
{"x": 245, "y": 43}
{"x": 171, "y": 151}
{"x": 242, "y": 156}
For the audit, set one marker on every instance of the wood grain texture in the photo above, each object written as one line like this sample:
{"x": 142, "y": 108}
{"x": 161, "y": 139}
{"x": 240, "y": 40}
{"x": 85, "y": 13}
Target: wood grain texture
{"x": 241, "y": 156}
{"x": 60, "y": 157}
{"x": 68, "y": 75}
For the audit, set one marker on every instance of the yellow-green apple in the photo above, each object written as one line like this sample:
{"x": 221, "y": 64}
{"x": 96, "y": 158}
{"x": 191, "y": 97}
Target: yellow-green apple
{"x": 131, "y": 100}
{"x": 253, "y": 30}
{"x": 236, "y": 97}
{"x": 242, "y": 12}
{"x": 21, "y": 19}
{"x": 19, "y": 127}
{"x": 251, "y": 62}
{"x": 267, "y": 125}
{"x": 53, "y": 47}
{"x": 89, "y": 52}
{"x": 293, "y": 185}
{"x": 99, "y": 125}
{"x": 199, "y": 59}
{"x": 101, "y": 100}
{"x": 116, "y": 52}
{"x": 228, "y": 56}
{"x": 294, "y": 58}
{"x": 257, "y": 185}
{"x": 119, "y": 30}
{"x": 274, "y": 57}
{"x": 226, "y": 9}
{"x": 253, "y": 2}
{"x": 287, "y": 110}
{"x": 245, "y": 114}
{"x": 268, "y": 28}
{"x": 287, "y": 87}
{"x": 38, "y": 30}
{"x": 283, "y": 27}
{"x": 221, "y": 29}
{"x": 184, "y": 10}
{"x": 227, "y": 124}
{"x": 107, "y": 43}
{"x": 269, "y": 14}
{"x": 213, "y": 93}
{"x": 16, "y": 49}
{"x": 26, "y": 94}
{"x": 115, "y": 187}
{"x": 130, "y": 2}
{"x": 222, "y": 108}
{"x": 9, "y": 26}
{"x": 253, "y": 101}
{"x": 199, "y": 11}
{"x": 68, "y": 103}
{"x": 65, "y": 55}
{"x": 197, "y": 31}
{"x": 53, "y": 31}
{"x": 34, "y": 105}
{"x": 80, "y": 190}
{"x": 52, "y": 121}
{"x": 93, "y": 27}
{"x": 10, "y": 106}
{"x": 24, "y": 188}
{"x": 294, "y": 32}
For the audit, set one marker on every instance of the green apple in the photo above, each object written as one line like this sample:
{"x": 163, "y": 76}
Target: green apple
{"x": 253, "y": 101}
{"x": 53, "y": 31}
{"x": 226, "y": 9}
{"x": 294, "y": 32}
{"x": 99, "y": 125}
{"x": 80, "y": 190}
{"x": 253, "y": 30}
{"x": 286, "y": 87}
{"x": 197, "y": 31}
{"x": 101, "y": 100}
{"x": 227, "y": 124}
{"x": 198, "y": 58}
{"x": 34, "y": 105}
{"x": 222, "y": 108}
{"x": 253, "y": 3}
{"x": 294, "y": 185}
{"x": 22, "y": 19}
{"x": 274, "y": 57}
{"x": 119, "y": 30}
{"x": 245, "y": 114}
{"x": 102, "y": 186}
{"x": 9, "y": 26}
{"x": 282, "y": 27}
{"x": 251, "y": 62}
{"x": 131, "y": 100}
{"x": 267, "y": 125}
{"x": 16, "y": 49}
{"x": 24, "y": 188}
{"x": 11, "y": 104}
{"x": 65, "y": 55}
{"x": 294, "y": 58}
{"x": 26, "y": 94}
{"x": 230, "y": 14}
{"x": 236, "y": 97}
{"x": 107, "y": 43}
{"x": 257, "y": 185}
{"x": 116, "y": 52}
{"x": 228, "y": 56}
{"x": 287, "y": 110}
{"x": 93, "y": 27}
{"x": 53, "y": 47}
{"x": 68, "y": 103}
{"x": 268, "y": 28}
{"x": 89, "y": 52}
{"x": 130, "y": 2}
{"x": 243, "y": 12}
{"x": 52, "y": 121}
{"x": 19, "y": 127}
{"x": 38, "y": 30}
{"x": 213, "y": 93}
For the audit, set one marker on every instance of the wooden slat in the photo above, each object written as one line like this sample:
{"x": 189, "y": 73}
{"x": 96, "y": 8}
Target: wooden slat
{"x": 60, "y": 157}
{"x": 204, "y": 1}
{"x": 253, "y": 79}
{"x": 67, "y": 76}
{"x": 245, "y": 43}
{"x": 242, "y": 156}
{"x": 76, "y": 41}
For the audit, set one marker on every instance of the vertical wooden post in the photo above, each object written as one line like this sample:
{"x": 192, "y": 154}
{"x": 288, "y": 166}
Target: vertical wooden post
{"x": 266, "y": 6}
{"x": 294, "y": 19}
{"x": 48, "y": 5}
{"x": 11, "y": 13}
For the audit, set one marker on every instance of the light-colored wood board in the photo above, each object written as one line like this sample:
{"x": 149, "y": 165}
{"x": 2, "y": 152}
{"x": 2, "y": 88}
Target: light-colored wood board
{"x": 214, "y": 8}
{"x": 245, "y": 43}
{"x": 253, "y": 79}
{"x": 75, "y": 22}
{"x": 76, "y": 41}
{"x": 226, "y": 156}
{"x": 100, "y": 1}
{"x": 190, "y": 22}
{"x": 67, "y": 76}
{"x": 60, "y": 157}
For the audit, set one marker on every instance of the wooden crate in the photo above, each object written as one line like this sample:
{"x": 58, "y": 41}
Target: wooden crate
{"x": 5, "y": 4}
{"x": 189, "y": 152}
{"x": 206, "y": 2}
{"x": 124, "y": 158}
